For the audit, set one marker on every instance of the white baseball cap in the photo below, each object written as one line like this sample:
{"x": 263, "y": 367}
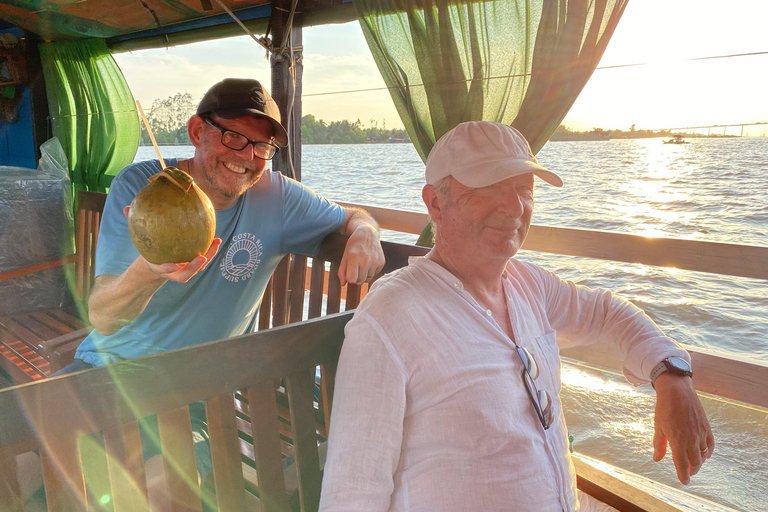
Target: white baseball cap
{"x": 481, "y": 153}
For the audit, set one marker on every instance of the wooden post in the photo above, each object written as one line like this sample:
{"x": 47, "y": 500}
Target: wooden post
{"x": 286, "y": 82}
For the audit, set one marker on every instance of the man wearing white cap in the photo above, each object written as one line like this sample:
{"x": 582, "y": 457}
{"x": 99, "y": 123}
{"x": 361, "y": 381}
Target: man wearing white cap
{"x": 447, "y": 391}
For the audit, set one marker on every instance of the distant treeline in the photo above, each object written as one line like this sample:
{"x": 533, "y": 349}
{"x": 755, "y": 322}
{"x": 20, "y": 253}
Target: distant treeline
{"x": 317, "y": 131}
{"x": 168, "y": 120}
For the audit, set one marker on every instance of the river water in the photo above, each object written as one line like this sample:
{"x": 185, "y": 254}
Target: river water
{"x": 710, "y": 190}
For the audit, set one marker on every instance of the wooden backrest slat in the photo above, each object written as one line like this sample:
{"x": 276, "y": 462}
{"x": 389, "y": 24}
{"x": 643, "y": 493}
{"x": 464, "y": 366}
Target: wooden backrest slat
{"x": 80, "y": 250}
{"x": 266, "y": 447}
{"x": 37, "y": 328}
{"x": 353, "y": 296}
{"x": 225, "y": 453}
{"x": 334, "y": 290}
{"x": 179, "y": 459}
{"x": 11, "y": 498}
{"x": 90, "y": 206}
{"x": 316, "y": 282}
{"x": 297, "y": 288}
{"x": 62, "y": 474}
{"x": 52, "y": 323}
{"x": 280, "y": 294}
{"x": 84, "y": 271}
{"x": 66, "y": 318}
{"x": 20, "y": 333}
{"x": 327, "y": 382}
{"x": 95, "y": 238}
{"x": 125, "y": 464}
{"x": 265, "y": 309}
{"x": 300, "y": 388}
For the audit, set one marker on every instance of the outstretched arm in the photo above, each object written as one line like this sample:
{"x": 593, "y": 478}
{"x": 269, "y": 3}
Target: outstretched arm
{"x": 680, "y": 420}
{"x": 363, "y": 257}
{"x": 116, "y": 300}
{"x": 581, "y": 315}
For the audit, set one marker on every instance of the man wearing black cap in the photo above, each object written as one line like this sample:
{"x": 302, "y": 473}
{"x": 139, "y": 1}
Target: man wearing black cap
{"x": 139, "y": 308}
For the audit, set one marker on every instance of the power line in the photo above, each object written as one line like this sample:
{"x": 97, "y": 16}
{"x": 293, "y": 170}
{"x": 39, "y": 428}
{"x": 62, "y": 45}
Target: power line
{"x": 707, "y": 126}
{"x": 637, "y": 64}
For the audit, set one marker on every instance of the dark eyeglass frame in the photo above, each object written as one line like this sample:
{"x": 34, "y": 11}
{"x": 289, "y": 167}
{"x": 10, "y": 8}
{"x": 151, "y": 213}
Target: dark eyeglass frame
{"x": 530, "y": 373}
{"x": 269, "y": 148}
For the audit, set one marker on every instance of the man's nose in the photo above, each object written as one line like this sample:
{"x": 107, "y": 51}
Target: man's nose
{"x": 511, "y": 203}
{"x": 247, "y": 152}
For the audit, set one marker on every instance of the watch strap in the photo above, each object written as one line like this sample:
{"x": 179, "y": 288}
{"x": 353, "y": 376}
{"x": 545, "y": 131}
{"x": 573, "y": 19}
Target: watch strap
{"x": 658, "y": 370}
{"x": 668, "y": 366}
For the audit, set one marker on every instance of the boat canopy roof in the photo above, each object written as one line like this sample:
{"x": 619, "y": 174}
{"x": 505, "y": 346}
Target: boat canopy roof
{"x": 133, "y": 24}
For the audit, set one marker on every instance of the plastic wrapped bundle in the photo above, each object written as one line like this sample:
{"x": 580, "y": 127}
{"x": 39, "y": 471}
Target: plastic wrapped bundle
{"x": 36, "y": 226}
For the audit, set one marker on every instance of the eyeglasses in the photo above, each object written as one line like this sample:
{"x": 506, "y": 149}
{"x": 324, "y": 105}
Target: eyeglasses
{"x": 238, "y": 141}
{"x": 541, "y": 400}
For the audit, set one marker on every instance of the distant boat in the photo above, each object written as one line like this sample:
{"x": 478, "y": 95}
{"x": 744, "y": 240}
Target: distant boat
{"x": 678, "y": 139}
{"x": 399, "y": 141}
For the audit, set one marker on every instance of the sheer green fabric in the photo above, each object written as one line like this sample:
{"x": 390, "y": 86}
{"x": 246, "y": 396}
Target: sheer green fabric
{"x": 92, "y": 111}
{"x": 518, "y": 62}
{"x": 570, "y": 40}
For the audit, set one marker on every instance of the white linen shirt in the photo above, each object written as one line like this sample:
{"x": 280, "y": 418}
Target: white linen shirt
{"x": 430, "y": 411}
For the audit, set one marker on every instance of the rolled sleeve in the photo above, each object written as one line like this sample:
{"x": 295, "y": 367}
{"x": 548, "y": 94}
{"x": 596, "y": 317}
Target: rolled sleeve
{"x": 582, "y": 315}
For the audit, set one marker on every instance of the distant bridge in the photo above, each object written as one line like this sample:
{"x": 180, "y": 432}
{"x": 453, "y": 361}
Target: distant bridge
{"x": 709, "y": 127}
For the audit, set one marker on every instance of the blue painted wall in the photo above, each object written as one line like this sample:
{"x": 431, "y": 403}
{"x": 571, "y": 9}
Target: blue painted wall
{"x": 17, "y": 147}
{"x": 17, "y": 143}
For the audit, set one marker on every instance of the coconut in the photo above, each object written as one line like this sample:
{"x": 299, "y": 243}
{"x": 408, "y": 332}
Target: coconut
{"x": 171, "y": 220}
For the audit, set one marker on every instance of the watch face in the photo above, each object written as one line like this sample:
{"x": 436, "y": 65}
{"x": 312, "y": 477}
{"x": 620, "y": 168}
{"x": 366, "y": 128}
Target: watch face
{"x": 678, "y": 363}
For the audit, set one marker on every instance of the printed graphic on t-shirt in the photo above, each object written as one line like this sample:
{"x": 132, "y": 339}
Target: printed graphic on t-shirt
{"x": 242, "y": 259}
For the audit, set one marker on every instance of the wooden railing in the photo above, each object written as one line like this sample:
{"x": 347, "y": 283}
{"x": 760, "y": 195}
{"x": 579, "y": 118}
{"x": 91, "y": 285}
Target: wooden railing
{"x": 725, "y": 375}
{"x": 714, "y": 257}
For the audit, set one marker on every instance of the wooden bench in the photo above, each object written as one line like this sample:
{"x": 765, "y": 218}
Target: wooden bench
{"x": 35, "y": 344}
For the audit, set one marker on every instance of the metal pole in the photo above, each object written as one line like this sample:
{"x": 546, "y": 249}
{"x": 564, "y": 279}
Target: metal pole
{"x": 287, "y": 71}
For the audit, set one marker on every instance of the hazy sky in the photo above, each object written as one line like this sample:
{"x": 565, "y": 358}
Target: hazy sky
{"x": 670, "y": 91}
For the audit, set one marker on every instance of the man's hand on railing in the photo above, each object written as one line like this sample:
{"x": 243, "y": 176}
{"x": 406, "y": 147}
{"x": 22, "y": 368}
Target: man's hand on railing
{"x": 363, "y": 257}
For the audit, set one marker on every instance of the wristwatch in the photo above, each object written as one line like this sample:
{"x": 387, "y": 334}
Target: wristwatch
{"x": 673, "y": 365}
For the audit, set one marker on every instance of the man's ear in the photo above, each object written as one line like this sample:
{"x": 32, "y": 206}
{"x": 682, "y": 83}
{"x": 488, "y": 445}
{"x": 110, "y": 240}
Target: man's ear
{"x": 433, "y": 201}
{"x": 195, "y": 129}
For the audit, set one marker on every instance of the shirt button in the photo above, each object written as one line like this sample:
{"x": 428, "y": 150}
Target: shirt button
{"x": 457, "y": 284}
{"x": 488, "y": 312}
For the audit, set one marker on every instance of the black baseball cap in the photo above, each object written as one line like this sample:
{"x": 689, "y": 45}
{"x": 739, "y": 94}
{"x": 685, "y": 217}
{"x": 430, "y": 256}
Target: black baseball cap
{"x": 241, "y": 97}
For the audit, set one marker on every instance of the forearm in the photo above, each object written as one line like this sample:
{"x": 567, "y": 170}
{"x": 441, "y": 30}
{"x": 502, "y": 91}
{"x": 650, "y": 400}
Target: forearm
{"x": 357, "y": 218}
{"x": 117, "y": 300}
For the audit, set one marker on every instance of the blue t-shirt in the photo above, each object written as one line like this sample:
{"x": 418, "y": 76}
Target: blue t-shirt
{"x": 274, "y": 217}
